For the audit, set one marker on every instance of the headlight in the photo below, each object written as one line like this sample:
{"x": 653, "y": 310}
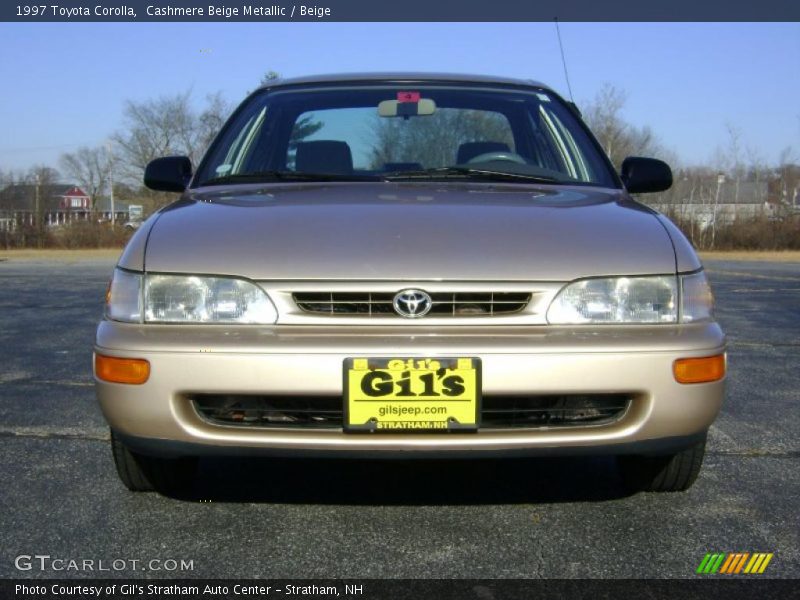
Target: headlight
{"x": 187, "y": 299}
{"x": 633, "y": 300}
{"x": 182, "y": 299}
{"x": 617, "y": 300}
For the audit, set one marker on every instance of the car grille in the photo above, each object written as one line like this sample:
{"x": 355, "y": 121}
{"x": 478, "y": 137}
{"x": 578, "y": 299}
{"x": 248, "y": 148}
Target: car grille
{"x": 444, "y": 304}
{"x": 552, "y": 411}
{"x": 497, "y": 412}
{"x": 270, "y": 411}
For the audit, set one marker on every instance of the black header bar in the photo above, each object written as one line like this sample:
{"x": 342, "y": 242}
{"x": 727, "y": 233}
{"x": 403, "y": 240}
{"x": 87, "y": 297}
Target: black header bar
{"x": 403, "y": 11}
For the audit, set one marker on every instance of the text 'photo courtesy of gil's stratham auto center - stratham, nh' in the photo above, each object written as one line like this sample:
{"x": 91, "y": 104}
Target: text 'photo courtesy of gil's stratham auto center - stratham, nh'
{"x": 413, "y": 301}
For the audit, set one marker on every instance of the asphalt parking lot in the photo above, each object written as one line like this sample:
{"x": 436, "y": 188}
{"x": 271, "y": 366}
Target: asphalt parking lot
{"x": 568, "y": 518}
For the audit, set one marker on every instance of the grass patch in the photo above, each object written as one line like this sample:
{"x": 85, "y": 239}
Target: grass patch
{"x": 752, "y": 255}
{"x": 60, "y": 254}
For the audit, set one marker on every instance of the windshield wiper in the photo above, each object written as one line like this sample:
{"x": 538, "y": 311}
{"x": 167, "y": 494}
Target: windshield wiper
{"x": 468, "y": 172}
{"x": 266, "y": 176}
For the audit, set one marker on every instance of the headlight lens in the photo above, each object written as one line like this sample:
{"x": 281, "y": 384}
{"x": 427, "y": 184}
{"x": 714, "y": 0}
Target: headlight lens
{"x": 187, "y": 299}
{"x": 697, "y": 301}
{"x": 633, "y": 300}
{"x": 617, "y": 300}
{"x": 182, "y": 299}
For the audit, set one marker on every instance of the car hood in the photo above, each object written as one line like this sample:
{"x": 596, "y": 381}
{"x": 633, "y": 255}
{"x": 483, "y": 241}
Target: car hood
{"x": 408, "y": 232}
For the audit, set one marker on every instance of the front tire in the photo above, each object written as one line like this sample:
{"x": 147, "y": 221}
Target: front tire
{"x": 670, "y": 473}
{"x": 142, "y": 473}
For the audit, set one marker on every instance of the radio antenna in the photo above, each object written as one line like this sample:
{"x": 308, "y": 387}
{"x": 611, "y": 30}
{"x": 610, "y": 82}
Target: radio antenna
{"x": 564, "y": 60}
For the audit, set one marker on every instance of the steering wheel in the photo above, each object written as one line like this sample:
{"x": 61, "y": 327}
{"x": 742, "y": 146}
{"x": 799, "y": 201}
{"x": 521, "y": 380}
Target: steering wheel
{"x": 501, "y": 155}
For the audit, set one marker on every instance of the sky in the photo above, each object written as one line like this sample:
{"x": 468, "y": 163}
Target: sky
{"x": 65, "y": 84}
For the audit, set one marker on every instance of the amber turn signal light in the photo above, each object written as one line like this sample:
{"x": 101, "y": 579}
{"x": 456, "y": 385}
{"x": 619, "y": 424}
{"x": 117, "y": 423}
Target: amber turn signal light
{"x": 699, "y": 370}
{"x": 121, "y": 370}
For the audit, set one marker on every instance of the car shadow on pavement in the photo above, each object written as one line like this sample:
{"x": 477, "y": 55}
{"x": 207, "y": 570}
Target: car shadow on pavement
{"x": 407, "y": 482}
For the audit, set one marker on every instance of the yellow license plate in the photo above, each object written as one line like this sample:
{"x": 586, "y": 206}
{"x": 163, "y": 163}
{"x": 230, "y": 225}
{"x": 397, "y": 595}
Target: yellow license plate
{"x": 411, "y": 394}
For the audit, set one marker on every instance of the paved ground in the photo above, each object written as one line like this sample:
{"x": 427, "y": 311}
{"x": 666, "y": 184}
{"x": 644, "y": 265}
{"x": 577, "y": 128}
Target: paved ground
{"x": 60, "y": 496}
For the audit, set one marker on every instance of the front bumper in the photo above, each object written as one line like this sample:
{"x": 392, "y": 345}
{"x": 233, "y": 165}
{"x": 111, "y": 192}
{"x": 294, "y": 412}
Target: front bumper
{"x": 158, "y": 417}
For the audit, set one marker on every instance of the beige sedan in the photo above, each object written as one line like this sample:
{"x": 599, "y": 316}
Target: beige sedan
{"x": 408, "y": 265}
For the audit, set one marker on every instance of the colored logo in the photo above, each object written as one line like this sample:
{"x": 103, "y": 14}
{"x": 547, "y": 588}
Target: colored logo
{"x": 734, "y": 563}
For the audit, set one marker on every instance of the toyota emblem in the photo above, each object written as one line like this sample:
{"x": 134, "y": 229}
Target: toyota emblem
{"x": 412, "y": 303}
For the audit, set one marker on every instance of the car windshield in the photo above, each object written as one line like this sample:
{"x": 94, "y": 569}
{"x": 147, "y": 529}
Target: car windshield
{"x": 404, "y": 132}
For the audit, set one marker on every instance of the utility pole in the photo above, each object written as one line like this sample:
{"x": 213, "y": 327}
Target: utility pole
{"x": 111, "y": 183}
{"x": 37, "y": 220}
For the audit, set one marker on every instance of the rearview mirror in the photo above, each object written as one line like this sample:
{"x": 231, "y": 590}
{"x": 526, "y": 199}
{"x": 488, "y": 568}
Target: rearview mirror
{"x": 168, "y": 174}
{"x": 416, "y": 108}
{"x": 642, "y": 175}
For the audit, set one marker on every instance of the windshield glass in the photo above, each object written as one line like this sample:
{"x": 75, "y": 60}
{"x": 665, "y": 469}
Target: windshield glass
{"x": 410, "y": 131}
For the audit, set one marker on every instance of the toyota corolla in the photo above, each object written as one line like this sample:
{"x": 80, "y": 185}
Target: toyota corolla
{"x": 408, "y": 266}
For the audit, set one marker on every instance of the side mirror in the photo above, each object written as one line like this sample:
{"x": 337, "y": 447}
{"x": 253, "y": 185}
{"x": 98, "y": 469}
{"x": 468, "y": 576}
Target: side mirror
{"x": 168, "y": 174}
{"x": 642, "y": 175}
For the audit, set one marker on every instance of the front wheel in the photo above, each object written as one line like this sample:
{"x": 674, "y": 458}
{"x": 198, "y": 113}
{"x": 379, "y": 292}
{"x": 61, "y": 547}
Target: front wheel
{"x": 142, "y": 473}
{"x": 669, "y": 473}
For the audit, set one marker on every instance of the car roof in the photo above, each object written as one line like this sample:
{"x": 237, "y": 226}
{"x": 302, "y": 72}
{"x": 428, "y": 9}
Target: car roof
{"x": 404, "y": 76}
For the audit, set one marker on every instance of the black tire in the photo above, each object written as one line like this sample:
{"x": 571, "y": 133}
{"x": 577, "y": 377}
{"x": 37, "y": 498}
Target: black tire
{"x": 670, "y": 473}
{"x": 142, "y": 473}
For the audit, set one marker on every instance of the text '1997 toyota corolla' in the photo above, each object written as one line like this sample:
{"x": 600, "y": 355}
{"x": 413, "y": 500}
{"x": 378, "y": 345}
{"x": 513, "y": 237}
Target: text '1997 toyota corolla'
{"x": 408, "y": 265}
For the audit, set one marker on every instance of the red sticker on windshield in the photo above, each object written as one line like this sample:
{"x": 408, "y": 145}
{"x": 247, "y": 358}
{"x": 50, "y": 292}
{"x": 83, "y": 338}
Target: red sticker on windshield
{"x": 408, "y": 96}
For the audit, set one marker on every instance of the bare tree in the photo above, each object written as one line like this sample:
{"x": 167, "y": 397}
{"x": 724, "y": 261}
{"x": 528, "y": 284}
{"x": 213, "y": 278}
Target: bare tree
{"x": 757, "y": 171}
{"x": 269, "y": 76}
{"x": 211, "y": 119}
{"x": 42, "y": 178}
{"x": 44, "y": 174}
{"x": 153, "y": 128}
{"x": 433, "y": 140}
{"x": 619, "y": 138}
{"x": 786, "y": 180}
{"x": 603, "y": 117}
{"x": 89, "y": 167}
{"x": 731, "y": 159}
{"x": 166, "y": 125}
